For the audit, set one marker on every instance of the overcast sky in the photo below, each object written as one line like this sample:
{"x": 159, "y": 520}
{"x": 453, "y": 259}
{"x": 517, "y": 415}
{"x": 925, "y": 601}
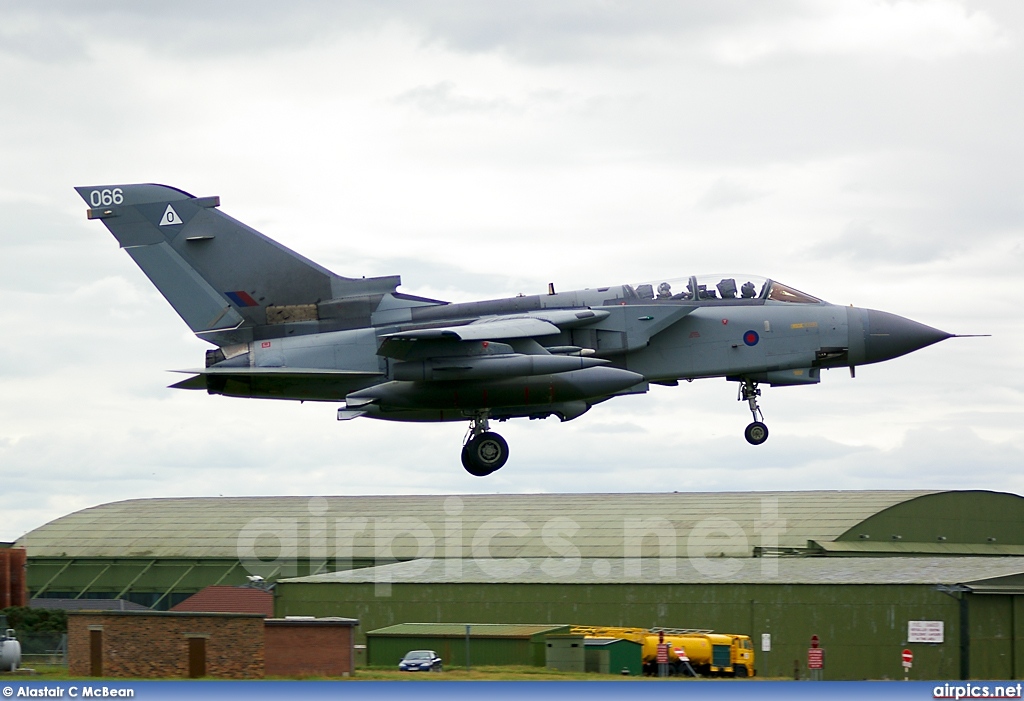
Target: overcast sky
{"x": 866, "y": 152}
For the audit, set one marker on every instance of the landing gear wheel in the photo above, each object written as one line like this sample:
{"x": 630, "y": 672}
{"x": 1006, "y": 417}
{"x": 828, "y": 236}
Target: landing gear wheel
{"x": 471, "y": 467}
{"x": 756, "y": 433}
{"x": 484, "y": 454}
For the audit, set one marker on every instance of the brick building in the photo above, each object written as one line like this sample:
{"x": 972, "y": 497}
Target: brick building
{"x": 147, "y": 644}
{"x": 13, "y": 591}
{"x": 310, "y": 647}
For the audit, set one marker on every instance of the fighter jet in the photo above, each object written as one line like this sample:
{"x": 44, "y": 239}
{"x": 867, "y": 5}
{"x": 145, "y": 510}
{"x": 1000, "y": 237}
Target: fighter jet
{"x": 284, "y": 327}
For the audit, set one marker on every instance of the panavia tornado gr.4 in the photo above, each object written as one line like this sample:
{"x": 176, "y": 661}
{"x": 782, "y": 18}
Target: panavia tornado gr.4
{"x": 284, "y": 327}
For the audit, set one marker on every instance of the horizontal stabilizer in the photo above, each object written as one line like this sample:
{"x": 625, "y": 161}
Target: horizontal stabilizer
{"x": 196, "y": 382}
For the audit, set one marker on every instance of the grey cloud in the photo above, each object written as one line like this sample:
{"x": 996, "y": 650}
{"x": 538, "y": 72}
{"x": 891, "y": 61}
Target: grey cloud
{"x": 532, "y": 30}
{"x": 576, "y": 30}
{"x": 38, "y": 241}
{"x": 926, "y": 459}
{"x": 442, "y": 99}
{"x": 940, "y": 459}
{"x": 40, "y": 39}
{"x": 185, "y": 29}
{"x": 418, "y": 274}
{"x": 725, "y": 193}
{"x": 615, "y": 427}
{"x": 863, "y": 241}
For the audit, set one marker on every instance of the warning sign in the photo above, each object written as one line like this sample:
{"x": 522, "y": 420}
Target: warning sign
{"x": 925, "y": 631}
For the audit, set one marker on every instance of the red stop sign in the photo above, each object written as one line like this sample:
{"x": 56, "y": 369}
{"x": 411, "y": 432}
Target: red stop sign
{"x": 814, "y": 641}
{"x": 908, "y": 657}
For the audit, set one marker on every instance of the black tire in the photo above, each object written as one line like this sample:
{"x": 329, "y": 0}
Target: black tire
{"x": 756, "y": 433}
{"x": 471, "y": 467}
{"x": 740, "y": 671}
{"x": 484, "y": 454}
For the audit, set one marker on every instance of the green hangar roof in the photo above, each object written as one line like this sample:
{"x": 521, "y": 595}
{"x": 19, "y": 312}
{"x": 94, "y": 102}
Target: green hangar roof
{"x": 381, "y": 528}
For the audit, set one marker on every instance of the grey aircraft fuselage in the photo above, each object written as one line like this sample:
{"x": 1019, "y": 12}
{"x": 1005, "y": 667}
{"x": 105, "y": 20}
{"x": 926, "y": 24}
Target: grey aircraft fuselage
{"x": 286, "y": 328}
{"x": 660, "y": 340}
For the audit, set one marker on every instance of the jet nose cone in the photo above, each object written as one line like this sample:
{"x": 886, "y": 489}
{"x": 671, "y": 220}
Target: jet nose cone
{"x": 890, "y": 336}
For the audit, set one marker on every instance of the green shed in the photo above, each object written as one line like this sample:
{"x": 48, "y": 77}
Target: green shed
{"x": 612, "y": 655}
{"x": 489, "y": 643}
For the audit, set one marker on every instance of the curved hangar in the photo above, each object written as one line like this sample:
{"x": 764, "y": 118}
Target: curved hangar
{"x": 856, "y": 569}
{"x": 158, "y": 552}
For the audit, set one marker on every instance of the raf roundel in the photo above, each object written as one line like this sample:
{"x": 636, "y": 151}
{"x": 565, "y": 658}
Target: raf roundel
{"x": 751, "y": 338}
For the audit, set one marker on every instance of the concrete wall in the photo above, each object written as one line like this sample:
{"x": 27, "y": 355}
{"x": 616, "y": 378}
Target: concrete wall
{"x": 145, "y": 644}
{"x": 565, "y": 652}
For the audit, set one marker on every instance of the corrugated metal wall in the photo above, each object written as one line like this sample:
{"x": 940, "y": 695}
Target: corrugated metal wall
{"x": 387, "y": 650}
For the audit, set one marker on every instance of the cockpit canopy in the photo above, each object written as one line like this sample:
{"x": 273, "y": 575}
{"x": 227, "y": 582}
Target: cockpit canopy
{"x": 722, "y": 287}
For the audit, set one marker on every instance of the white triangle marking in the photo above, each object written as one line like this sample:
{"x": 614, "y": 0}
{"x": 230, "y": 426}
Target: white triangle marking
{"x": 170, "y": 217}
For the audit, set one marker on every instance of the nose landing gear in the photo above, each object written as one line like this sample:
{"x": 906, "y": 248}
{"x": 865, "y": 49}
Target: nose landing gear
{"x": 484, "y": 451}
{"x": 756, "y": 433}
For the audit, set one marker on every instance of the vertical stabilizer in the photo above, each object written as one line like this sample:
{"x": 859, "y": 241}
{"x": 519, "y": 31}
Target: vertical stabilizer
{"x": 220, "y": 275}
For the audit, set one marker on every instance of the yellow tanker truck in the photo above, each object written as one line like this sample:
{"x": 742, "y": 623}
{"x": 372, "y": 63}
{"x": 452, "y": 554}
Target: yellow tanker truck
{"x": 707, "y": 653}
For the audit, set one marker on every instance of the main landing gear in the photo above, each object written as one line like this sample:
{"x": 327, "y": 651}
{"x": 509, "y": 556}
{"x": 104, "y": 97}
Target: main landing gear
{"x": 756, "y": 433}
{"x": 484, "y": 451}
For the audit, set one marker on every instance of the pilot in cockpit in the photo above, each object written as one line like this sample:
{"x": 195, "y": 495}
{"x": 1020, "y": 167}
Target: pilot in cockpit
{"x": 664, "y": 291}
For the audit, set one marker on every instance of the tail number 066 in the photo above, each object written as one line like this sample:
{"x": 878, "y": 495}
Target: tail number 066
{"x": 104, "y": 198}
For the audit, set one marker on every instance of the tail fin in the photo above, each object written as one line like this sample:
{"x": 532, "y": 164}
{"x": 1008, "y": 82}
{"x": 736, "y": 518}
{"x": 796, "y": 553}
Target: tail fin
{"x": 221, "y": 276}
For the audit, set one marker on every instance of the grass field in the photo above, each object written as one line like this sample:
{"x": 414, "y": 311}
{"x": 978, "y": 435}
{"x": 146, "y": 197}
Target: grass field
{"x": 483, "y": 673}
